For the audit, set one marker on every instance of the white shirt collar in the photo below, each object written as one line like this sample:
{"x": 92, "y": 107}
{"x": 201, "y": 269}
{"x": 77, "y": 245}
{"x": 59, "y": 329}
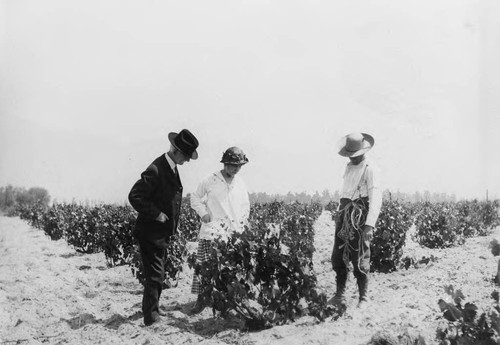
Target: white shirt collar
{"x": 170, "y": 161}
{"x": 221, "y": 177}
{"x": 361, "y": 164}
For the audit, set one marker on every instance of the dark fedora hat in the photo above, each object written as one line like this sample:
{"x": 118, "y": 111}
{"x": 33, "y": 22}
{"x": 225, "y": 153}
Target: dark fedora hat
{"x": 185, "y": 142}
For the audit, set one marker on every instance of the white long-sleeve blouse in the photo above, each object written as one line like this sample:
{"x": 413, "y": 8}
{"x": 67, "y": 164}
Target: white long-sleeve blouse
{"x": 227, "y": 204}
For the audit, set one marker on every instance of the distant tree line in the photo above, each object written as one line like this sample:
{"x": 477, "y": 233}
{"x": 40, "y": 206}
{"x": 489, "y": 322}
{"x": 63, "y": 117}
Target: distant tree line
{"x": 326, "y": 196}
{"x": 12, "y": 197}
{"x": 419, "y": 197}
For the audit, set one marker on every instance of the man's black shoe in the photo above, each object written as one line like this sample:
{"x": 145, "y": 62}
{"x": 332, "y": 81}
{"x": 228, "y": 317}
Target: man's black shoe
{"x": 154, "y": 319}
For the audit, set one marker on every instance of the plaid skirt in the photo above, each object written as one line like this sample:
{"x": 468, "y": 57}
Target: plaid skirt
{"x": 202, "y": 255}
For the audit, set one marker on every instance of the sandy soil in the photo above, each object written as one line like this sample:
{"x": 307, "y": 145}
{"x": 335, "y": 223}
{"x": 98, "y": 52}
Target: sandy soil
{"x": 50, "y": 294}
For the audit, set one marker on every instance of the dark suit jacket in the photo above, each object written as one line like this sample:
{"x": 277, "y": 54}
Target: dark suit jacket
{"x": 158, "y": 189}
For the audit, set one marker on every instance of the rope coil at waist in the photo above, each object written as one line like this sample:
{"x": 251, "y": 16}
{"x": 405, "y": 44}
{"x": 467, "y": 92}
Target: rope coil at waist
{"x": 352, "y": 215}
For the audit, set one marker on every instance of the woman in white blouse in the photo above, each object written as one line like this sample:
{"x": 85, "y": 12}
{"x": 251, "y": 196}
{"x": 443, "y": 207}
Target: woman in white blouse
{"x": 360, "y": 203}
{"x": 222, "y": 203}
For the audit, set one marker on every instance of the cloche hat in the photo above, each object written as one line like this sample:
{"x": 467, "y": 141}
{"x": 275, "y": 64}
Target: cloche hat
{"x": 234, "y": 155}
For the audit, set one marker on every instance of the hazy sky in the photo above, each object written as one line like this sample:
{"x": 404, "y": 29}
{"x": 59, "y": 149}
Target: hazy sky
{"x": 89, "y": 91}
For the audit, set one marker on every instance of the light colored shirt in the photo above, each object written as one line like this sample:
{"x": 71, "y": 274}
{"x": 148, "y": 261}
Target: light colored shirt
{"x": 362, "y": 180}
{"x": 170, "y": 162}
{"x": 227, "y": 204}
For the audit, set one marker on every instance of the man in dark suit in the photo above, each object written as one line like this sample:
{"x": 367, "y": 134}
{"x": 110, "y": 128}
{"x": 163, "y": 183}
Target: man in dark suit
{"x": 157, "y": 196}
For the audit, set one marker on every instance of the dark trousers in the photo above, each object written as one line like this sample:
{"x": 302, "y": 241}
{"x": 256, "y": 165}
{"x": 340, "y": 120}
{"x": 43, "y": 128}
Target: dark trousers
{"x": 153, "y": 261}
{"x": 354, "y": 250}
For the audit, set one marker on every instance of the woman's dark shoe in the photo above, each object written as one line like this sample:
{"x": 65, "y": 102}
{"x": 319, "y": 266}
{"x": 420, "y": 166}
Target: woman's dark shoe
{"x": 201, "y": 304}
{"x": 198, "y": 308}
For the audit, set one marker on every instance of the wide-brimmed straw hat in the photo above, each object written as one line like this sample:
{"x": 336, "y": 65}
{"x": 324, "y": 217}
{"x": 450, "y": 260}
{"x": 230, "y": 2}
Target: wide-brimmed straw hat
{"x": 355, "y": 144}
{"x": 235, "y": 156}
{"x": 185, "y": 142}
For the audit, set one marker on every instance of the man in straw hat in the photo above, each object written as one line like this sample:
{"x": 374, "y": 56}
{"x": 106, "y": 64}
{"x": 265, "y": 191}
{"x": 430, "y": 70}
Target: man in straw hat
{"x": 222, "y": 202}
{"x": 360, "y": 202}
{"x": 157, "y": 196}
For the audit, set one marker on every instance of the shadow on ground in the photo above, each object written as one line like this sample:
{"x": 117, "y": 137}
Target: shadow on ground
{"x": 113, "y": 322}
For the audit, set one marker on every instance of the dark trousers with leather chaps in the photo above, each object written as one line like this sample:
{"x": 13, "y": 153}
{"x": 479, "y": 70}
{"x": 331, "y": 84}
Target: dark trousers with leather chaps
{"x": 153, "y": 260}
{"x": 354, "y": 252}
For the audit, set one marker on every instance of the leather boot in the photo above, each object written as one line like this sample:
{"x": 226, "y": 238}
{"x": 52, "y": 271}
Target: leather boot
{"x": 339, "y": 298}
{"x": 362, "y": 281}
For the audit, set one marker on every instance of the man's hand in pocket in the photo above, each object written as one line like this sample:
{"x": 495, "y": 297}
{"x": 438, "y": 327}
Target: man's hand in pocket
{"x": 162, "y": 217}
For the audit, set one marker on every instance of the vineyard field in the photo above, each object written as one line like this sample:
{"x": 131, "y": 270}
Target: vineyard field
{"x": 52, "y": 294}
